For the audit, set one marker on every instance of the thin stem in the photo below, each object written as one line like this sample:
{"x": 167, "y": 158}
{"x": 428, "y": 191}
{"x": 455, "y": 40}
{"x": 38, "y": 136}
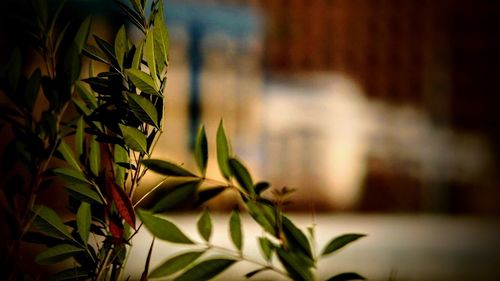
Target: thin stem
{"x": 150, "y": 191}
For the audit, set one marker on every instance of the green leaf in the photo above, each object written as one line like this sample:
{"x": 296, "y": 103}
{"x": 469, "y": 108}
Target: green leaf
{"x": 143, "y": 81}
{"x": 296, "y": 238}
{"x": 84, "y": 193}
{"x": 71, "y": 177}
{"x": 266, "y": 248}
{"x": 83, "y": 219}
{"x": 86, "y": 95}
{"x": 57, "y": 254}
{"x": 149, "y": 53}
{"x": 242, "y": 175}
{"x": 201, "y": 151}
{"x": 340, "y": 242}
{"x": 68, "y": 155}
{"x": 223, "y": 151}
{"x": 177, "y": 195}
{"x": 162, "y": 43}
{"x": 48, "y": 222}
{"x": 176, "y": 263}
{"x": 72, "y": 64}
{"x": 82, "y": 34}
{"x": 79, "y": 136}
{"x": 120, "y": 45}
{"x": 121, "y": 156}
{"x": 95, "y": 156}
{"x": 204, "y": 225}
{"x": 95, "y": 54}
{"x": 143, "y": 109}
{"x": 107, "y": 49}
{"x": 209, "y": 193}
{"x": 346, "y": 277}
{"x": 235, "y": 229}
{"x": 133, "y": 138}
{"x": 136, "y": 60}
{"x": 258, "y": 212}
{"x": 134, "y": 17}
{"x": 60, "y": 38}
{"x": 294, "y": 266}
{"x": 205, "y": 270}
{"x": 167, "y": 168}
{"x": 162, "y": 228}
{"x": 32, "y": 89}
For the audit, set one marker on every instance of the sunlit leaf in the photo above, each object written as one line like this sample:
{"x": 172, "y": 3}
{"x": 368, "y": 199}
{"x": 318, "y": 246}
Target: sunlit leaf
{"x": 340, "y": 242}
{"x": 134, "y": 138}
{"x": 86, "y": 95}
{"x": 162, "y": 228}
{"x": 266, "y": 248}
{"x": 176, "y": 195}
{"x": 258, "y": 213}
{"x": 204, "y": 225}
{"x": 71, "y": 177}
{"x": 174, "y": 264}
{"x": 48, "y": 222}
{"x": 235, "y": 229}
{"x": 205, "y": 270}
{"x": 120, "y": 45}
{"x": 68, "y": 155}
{"x": 136, "y": 60}
{"x": 161, "y": 39}
{"x": 79, "y": 136}
{"x": 57, "y": 254}
{"x": 201, "y": 150}
{"x": 143, "y": 109}
{"x": 223, "y": 151}
{"x": 242, "y": 175}
{"x": 83, "y": 219}
{"x": 82, "y": 34}
{"x": 167, "y": 168}
{"x": 143, "y": 81}
{"x": 346, "y": 277}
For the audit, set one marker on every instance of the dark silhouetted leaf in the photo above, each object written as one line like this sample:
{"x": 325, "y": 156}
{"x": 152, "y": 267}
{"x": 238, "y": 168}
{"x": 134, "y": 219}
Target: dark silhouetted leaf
{"x": 95, "y": 54}
{"x": 121, "y": 156}
{"x": 167, "y": 168}
{"x": 204, "y": 225}
{"x": 235, "y": 229}
{"x": 261, "y": 187}
{"x": 107, "y": 49}
{"x": 134, "y": 138}
{"x": 144, "y": 276}
{"x": 205, "y": 270}
{"x": 143, "y": 109}
{"x": 86, "y": 95}
{"x": 57, "y": 254}
{"x": 143, "y": 81}
{"x": 79, "y": 136}
{"x": 209, "y": 193}
{"x": 71, "y": 177}
{"x": 223, "y": 151}
{"x": 84, "y": 193}
{"x": 255, "y": 272}
{"x": 32, "y": 89}
{"x": 340, "y": 242}
{"x": 134, "y": 17}
{"x": 162, "y": 228}
{"x": 242, "y": 175}
{"x": 176, "y": 263}
{"x": 346, "y": 277}
{"x": 71, "y": 274}
{"x": 83, "y": 219}
{"x": 201, "y": 151}
{"x": 176, "y": 195}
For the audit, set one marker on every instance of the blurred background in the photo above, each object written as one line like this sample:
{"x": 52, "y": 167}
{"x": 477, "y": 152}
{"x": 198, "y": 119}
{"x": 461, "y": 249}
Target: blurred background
{"x": 384, "y": 115}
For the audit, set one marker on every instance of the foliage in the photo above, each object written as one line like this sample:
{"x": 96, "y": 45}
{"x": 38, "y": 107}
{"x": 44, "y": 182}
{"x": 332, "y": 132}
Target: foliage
{"x": 105, "y": 146}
